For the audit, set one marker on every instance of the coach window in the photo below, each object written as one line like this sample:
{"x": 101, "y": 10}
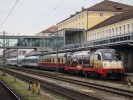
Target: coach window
{"x": 51, "y": 60}
{"x": 64, "y": 59}
{"x": 58, "y": 60}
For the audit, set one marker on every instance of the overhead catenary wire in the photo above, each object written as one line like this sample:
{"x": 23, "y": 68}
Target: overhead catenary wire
{"x": 54, "y": 9}
{"x": 8, "y": 14}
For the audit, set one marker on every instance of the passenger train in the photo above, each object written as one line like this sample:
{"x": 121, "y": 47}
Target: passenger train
{"x": 95, "y": 63}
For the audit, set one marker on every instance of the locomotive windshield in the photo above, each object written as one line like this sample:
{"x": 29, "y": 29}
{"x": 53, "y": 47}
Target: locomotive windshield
{"x": 112, "y": 55}
{"x": 108, "y": 56}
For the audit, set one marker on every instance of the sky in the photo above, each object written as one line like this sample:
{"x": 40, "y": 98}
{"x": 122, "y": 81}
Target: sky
{"x": 30, "y": 17}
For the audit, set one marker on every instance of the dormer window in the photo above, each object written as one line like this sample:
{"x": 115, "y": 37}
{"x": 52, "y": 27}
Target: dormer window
{"x": 118, "y": 8}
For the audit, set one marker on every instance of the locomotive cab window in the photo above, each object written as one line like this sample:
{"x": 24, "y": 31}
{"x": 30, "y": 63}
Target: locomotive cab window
{"x": 108, "y": 56}
{"x": 99, "y": 57}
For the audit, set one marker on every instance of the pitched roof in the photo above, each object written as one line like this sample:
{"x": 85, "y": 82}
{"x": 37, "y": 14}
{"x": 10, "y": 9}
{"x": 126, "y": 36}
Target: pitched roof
{"x": 51, "y": 29}
{"x": 105, "y": 5}
{"x": 114, "y": 19}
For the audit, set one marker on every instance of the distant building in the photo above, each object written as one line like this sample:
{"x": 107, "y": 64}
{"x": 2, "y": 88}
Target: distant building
{"x": 89, "y": 17}
{"x": 48, "y": 32}
{"x": 13, "y": 53}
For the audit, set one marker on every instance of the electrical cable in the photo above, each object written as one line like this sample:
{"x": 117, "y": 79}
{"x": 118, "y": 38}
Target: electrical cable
{"x": 45, "y": 16}
{"x": 8, "y": 14}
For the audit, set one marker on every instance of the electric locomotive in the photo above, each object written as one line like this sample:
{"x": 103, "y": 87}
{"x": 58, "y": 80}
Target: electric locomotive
{"x": 94, "y": 63}
{"x": 99, "y": 63}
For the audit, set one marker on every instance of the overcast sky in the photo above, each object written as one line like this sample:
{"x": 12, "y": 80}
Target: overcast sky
{"x": 32, "y": 16}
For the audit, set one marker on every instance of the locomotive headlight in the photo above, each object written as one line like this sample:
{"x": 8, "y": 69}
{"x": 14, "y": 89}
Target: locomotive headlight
{"x": 104, "y": 64}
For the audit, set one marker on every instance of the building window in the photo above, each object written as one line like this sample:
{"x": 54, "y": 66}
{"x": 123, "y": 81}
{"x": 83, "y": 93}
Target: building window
{"x": 82, "y": 24}
{"x": 132, "y": 27}
{"x": 79, "y": 25}
{"x": 112, "y": 31}
{"x": 128, "y": 28}
{"x": 116, "y": 30}
{"x": 103, "y": 34}
{"x": 120, "y": 29}
{"x": 106, "y": 33}
{"x": 124, "y": 29}
{"x": 97, "y": 35}
{"x": 101, "y": 14}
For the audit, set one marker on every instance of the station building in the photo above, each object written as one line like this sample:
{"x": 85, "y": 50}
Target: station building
{"x": 89, "y": 17}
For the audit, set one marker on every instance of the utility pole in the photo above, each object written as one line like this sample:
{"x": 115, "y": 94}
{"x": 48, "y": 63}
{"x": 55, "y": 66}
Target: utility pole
{"x": 4, "y": 53}
{"x": 57, "y": 54}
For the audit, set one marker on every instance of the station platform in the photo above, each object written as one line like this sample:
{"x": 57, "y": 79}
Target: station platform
{"x": 129, "y": 74}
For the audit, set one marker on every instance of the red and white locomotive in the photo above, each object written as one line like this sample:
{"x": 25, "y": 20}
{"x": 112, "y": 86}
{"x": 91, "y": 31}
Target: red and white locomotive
{"x": 96, "y": 63}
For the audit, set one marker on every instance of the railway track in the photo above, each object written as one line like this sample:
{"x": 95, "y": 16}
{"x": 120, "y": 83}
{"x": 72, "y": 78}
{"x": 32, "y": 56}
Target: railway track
{"x": 72, "y": 94}
{"x": 6, "y": 93}
{"x": 114, "y": 90}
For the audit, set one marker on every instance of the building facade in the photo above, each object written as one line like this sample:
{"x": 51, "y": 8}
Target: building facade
{"x": 89, "y": 17}
{"x": 116, "y": 25}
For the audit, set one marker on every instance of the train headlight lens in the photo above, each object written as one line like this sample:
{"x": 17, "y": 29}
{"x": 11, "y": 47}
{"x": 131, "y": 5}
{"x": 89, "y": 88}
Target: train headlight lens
{"x": 104, "y": 64}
